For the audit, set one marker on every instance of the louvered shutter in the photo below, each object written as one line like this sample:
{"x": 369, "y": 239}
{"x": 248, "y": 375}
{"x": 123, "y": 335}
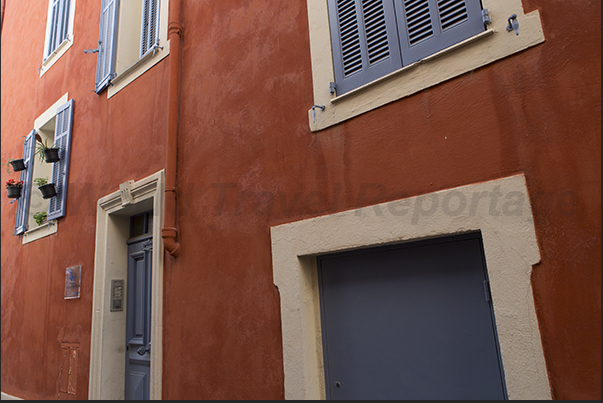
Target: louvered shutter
{"x": 428, "y": 26}
{"x": 105, "y": 62}
{"x": 364, "y": 40}
{"x": 59, "y": 24}
{"x": 60, "y": 169}
{"x": 149, "y": 31}
{"x": 29, "y": 149}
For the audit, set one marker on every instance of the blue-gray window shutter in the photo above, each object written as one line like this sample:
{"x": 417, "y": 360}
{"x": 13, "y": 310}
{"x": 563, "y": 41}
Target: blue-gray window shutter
{"x": 428, "y": 26}
{"x": 60, "y": 169}
{"x": 364, "y": 40}
{"x": 29, "y": 149}
{"x": 149, "y": 29}
{"x": 105, "y": 62}
{"x": 59, "y": 24}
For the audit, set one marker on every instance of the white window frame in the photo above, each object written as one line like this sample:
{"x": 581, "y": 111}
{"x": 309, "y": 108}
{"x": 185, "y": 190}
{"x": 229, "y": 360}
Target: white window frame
{"x": 36, "y": 231}
{"x": 127, "y": 68}
{"x": 50, "y": 59}
{"x": 510, "y": 249}
{"x": 493, "y": 44}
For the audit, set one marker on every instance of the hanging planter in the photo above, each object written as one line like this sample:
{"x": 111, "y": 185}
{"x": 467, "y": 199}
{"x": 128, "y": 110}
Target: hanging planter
{"x": 48, "y": 189}
{"x": 18, "y": 165}
{"x": 51, "y": 154}
{"x": 48, "y": 154}
{"x": 14, "y": 188}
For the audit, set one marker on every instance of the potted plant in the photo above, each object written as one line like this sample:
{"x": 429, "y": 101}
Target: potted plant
{"x": 18, "y": 165}
{"x": 40, "y": 217}
{"x": 14, "y": 188}
{"x": 46, "y": 153}
{"x": 48, "y": 190}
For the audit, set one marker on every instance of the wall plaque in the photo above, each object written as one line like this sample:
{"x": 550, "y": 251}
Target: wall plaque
{"x": 73, "y": 278}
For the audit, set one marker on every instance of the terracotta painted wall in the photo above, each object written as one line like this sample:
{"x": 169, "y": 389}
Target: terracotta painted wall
{"x": 247, "y": 161}
{"x": 113, "y": 141}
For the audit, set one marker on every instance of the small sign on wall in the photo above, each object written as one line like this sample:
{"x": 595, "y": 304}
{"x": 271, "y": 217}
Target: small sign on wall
{"x": 73, "y": 279}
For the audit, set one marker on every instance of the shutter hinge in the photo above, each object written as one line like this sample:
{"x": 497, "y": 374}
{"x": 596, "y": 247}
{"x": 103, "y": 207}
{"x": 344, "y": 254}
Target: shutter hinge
{"x": 91, "y": 50}
{"x": 332, "y": 87}
{"x": 486, "y": 17}
{"x": 487, "y": 290}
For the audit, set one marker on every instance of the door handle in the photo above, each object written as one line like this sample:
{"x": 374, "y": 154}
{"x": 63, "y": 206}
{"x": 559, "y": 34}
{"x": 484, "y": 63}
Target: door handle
{"x": 142, "y": 349}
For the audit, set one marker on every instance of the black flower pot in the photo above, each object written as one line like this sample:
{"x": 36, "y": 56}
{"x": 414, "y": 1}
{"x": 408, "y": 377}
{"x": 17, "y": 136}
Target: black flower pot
{"x": 14, "y": 192}
{"x": 18, "y": 165}
{"x": 48, "y": 190}
{"x": 51, "y": 154}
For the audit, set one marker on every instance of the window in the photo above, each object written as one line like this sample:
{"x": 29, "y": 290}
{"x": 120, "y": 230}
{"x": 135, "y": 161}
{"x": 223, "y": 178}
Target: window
{"x": 367, "y": 53}
{"x": 132, "y": 38}
{"x": 372, "y": 38}
{"x": 52, "y": 127}
{"x": 59, "y": 31}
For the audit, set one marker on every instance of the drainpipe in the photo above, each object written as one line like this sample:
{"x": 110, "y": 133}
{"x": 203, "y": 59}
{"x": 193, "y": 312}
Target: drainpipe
{"x": 169, "y": 232}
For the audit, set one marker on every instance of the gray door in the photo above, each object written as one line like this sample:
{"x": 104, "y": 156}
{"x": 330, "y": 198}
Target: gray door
{"x": 138, "y": 327}
{"x": 411, "y": 321}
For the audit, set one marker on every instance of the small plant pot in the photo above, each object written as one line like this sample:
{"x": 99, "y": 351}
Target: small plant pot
{"x": 48, "y": 190}
{"x": 14, "y": 192}
{"x": 18, "y": 165}
{"x": 51, "y": 155}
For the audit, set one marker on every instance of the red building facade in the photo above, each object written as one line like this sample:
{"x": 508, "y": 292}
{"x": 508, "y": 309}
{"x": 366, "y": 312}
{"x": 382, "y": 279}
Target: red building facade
{"x": 222, "y": 152}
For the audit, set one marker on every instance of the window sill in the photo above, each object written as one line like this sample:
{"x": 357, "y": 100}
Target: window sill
{"x": 56, "y": 54}
{"x": 137, "y": 69}
{"x": 41, "y": 231}
{"x": 480, "y": 50}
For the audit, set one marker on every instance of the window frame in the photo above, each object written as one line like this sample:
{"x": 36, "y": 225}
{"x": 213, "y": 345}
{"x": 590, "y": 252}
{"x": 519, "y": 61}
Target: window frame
{"x": 125, "y": 66}
{"x": 486, "y": 47}
{"x": 50, "y": 58}
{"x": 32, "y": 232}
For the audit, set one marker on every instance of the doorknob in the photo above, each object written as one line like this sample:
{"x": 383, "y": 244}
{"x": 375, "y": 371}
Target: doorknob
{"x": 142, "y": 349}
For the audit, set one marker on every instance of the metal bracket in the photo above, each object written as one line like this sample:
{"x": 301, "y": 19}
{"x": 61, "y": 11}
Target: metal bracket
{"x": 486, "y": 17}
{"x": 332, "y": 87}
{"x": 322, "y": 108}
{"x": 513, "y": 24}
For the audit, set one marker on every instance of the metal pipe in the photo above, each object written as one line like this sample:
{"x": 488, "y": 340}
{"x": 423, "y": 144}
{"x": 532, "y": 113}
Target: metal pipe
{"x": 169, "y": 232}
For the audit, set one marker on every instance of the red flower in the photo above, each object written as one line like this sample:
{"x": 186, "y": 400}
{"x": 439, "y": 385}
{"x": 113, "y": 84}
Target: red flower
{"x": 12, "y": 182}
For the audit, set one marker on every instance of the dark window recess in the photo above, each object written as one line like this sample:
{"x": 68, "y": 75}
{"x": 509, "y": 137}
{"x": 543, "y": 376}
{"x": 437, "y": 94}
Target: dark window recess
{"x": 372, "y": 38}
{"x": 141, "y": 224}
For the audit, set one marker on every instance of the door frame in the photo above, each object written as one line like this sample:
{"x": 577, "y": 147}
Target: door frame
{"x": 108, "y": 335}
{"x": 510, "y": 249}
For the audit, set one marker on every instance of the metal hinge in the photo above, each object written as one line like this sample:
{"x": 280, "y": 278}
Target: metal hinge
{"x": 487, "y": 290}
{"x": 91, "y": 50}
{"x": 332, "y": 87}
{"x": 486, "y": 17}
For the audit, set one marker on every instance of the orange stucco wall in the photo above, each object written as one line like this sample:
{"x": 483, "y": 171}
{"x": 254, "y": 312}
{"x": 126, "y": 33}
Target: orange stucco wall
{"x": 247, "y": 161}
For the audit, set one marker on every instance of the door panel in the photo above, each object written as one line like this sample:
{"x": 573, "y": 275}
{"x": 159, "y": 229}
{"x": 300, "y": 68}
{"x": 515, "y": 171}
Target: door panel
{"x": 138, "y": 327}
{"x": 409, "y": 322}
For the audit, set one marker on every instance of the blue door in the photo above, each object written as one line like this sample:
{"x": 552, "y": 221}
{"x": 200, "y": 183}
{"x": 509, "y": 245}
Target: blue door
{"x": 138, "y": 327}
{"x": 410, "y": 321}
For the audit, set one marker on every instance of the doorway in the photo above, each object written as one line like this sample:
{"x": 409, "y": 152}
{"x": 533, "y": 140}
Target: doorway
{"x": 410, "y": 321}
{"x": 139, "y": 302}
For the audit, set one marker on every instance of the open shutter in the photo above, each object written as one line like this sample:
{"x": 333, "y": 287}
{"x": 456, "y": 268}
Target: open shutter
{"x": 428, "y": 26}
{"x": 59, "y": 24}
{"x": 364, "y": 40}
{"x": 105, "y": 62}
{"x": 60, "y": 169}
{"x": 64, "y": 33}
{"x": 29, "y": 149}
{"x": 52, "y": 35}
{"x": 149, "y": 31}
